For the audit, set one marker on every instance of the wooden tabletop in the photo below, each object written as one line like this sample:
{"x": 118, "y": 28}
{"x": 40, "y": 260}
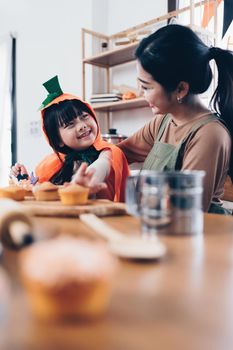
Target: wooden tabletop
{"x": 184, "y": 301}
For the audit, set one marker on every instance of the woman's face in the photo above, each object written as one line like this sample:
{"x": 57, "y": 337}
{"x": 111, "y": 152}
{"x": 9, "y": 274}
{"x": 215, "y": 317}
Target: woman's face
{"x": 80, "y": 133}
{"x": 158, "y": 98}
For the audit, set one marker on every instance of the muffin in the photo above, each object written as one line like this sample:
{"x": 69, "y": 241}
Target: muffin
{"x": 46, "y": 192}
{"x": 67, "y": 277}
{"x": 27, "y": 186}
{"x": 12, "y": 192}
{"x": 73, "y": 195}
{"x": 24, "y": 184}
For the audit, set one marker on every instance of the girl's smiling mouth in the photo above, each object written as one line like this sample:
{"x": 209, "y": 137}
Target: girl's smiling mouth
{"x": 85, "y": 134}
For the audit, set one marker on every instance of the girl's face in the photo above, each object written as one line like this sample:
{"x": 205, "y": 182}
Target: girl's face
{"x": 80, "y": 133}
{"x": 158, "y": 98}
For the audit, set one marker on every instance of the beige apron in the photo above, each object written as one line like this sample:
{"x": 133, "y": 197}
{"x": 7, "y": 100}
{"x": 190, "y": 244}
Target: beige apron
{"x": 166, "y": 157}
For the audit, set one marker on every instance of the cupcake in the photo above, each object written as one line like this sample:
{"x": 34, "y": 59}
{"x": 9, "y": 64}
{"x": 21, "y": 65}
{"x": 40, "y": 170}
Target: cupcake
{"x": 27, "y": 186}
{"x": 23, "y": 184}
{"x": 12, "y": 192}
{"x": 73, "y": 195}
{"x": 67, "y": 277}
{"x": 46, "y": 192}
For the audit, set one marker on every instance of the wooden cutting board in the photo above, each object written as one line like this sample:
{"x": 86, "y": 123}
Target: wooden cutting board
{"x": 99, "y": 207}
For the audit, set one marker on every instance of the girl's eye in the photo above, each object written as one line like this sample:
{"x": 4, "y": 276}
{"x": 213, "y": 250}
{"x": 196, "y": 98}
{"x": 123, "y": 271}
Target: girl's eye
{"x": 68, "y": 125}
{"x": 84, "y": 116}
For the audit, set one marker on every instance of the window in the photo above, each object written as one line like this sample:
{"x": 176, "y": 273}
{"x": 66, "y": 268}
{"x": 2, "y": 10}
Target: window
{"x": 7, "y": 106}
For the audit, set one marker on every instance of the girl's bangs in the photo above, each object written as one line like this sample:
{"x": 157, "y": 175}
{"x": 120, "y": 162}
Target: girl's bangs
{"x": 67, "y": 114}
{"x": 70, "y": 111}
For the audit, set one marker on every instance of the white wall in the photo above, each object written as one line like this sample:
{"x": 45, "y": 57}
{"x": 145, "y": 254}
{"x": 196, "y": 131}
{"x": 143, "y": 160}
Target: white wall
{"x": 48, "y": 43}
{"x": 122, "y": 15}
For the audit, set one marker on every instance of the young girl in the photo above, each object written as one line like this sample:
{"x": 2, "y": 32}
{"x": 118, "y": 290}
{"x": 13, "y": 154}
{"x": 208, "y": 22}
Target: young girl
{"x": 80, "y": 155}
{"x": 173, "y": 69}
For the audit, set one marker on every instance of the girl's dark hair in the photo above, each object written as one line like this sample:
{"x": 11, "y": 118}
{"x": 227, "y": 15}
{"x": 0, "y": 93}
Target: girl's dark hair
{"x": 55, "y": 116}
{"x": 60, "y": 114}
{"x": 175, "y": 53}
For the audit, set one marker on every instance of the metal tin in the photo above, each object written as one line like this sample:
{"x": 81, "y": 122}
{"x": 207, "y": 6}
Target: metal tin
{"x": 113, "y": 136}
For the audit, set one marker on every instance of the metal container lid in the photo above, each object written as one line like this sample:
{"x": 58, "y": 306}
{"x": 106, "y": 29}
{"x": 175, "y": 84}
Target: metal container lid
{"x": 112, "y": 133}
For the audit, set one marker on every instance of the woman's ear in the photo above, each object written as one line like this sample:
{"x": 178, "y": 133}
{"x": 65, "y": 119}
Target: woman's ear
{"x": 182, "y": 90}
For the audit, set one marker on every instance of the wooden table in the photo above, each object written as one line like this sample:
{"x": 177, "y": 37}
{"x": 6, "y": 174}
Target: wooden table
{"x": 184, "y": 301}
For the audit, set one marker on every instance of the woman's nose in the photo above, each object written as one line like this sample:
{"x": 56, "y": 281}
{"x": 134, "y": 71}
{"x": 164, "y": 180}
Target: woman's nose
{"x": 142, "y": 92}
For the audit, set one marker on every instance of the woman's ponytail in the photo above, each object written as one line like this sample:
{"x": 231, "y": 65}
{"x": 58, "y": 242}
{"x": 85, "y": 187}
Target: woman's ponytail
{"x": 222, "y": 99}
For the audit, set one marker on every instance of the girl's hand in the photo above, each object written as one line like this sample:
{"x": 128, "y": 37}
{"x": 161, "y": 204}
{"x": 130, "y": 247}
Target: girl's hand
{"x": 86, "y": 178}
{"x": 18, "y": 169}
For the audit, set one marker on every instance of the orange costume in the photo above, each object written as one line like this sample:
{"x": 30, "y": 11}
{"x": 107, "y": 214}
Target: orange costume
{"x": 50, "y": 165}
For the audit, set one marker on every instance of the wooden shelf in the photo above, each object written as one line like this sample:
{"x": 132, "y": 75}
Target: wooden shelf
{"x": 139, "y": 102}
{"x": 113, "y": 57}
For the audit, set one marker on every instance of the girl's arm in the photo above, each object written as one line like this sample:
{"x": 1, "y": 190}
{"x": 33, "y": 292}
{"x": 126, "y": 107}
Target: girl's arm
{"x": 94, "y": 175}
{"x": 18, "y": 169}
{"x": 102, "y": 167}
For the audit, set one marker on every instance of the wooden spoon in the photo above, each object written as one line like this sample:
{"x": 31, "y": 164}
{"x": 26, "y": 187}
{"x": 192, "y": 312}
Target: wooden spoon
{"x": 134, "y": 248}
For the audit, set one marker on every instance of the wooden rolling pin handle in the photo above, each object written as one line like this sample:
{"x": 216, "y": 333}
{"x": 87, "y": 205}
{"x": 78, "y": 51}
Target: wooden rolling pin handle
{"x": 20, "y": 234}
{"x": 16, "y": 228}
{"x": 100, "y": 227}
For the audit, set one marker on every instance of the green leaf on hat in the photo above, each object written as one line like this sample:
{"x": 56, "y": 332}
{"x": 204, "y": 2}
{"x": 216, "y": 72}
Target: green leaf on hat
{"x": 54, "y": 90}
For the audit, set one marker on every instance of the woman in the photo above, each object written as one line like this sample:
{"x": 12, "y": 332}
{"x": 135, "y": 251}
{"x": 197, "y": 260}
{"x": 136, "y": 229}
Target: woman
{"x": 173, "y": 69}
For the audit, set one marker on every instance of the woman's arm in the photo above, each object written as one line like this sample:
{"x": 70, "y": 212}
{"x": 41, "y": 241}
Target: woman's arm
{"x": 137, "y": 146}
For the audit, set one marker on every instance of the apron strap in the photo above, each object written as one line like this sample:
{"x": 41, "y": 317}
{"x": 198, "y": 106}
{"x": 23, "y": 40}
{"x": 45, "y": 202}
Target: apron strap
{"x": 162, "y": 126}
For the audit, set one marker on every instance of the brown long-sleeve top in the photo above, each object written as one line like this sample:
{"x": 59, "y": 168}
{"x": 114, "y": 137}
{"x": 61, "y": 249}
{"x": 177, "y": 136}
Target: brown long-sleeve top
{"x": 209, "y": 150}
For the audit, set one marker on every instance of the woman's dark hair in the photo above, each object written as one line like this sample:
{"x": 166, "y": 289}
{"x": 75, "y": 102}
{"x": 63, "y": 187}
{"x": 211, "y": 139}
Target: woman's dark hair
{"x": 58, "y": 115}
{"x": 175, "y": 53}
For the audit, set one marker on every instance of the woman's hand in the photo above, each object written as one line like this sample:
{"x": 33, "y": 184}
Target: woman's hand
{"x": 86, "y": 178}
{"x": 18, "y": 169}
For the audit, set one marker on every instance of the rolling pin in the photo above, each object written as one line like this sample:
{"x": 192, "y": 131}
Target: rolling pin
{"x": 16, "y": 228}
